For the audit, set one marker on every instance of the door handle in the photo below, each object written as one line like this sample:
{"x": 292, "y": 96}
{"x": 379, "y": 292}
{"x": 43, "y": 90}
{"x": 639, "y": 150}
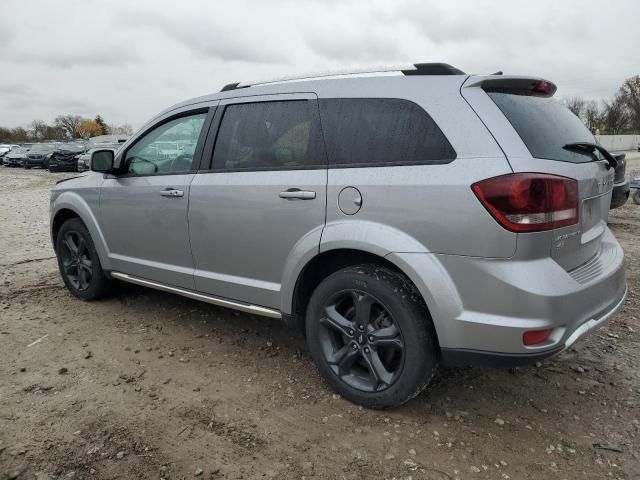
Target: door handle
{"x": 172, "y": 192}
{"x": 297, "y": 194}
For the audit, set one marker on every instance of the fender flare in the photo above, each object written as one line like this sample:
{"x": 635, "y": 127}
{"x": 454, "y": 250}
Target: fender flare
{"x": 70, "y": 200}
{"x": 410, "y": 257}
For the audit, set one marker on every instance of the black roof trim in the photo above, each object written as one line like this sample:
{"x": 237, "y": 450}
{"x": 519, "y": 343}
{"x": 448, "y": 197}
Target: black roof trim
{"x": 433, "y": 69}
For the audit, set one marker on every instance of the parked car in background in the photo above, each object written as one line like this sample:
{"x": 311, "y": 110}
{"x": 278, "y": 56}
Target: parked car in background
{"x": 65, "y": 157}
{"x": 621, "y": 188}
{"x": 402, "y": 221}
{"x": 15, "y": 158}
{"x": 4, "y": 149}
{"x": 37, "y": 155}
{"x": 84, "y": 159}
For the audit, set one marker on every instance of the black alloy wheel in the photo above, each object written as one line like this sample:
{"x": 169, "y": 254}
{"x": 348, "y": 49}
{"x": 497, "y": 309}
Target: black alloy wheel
{"x": 371, "y": 335}
{"x": 360, "y": 341}
{"x": 79, "y": 263}
{"x": 76, "y": 260}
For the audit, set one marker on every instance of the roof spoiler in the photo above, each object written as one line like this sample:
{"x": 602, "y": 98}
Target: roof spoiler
{"x": 514, "y": 85}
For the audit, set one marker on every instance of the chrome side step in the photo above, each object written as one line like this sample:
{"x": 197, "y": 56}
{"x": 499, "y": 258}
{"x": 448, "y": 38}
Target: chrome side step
{"x": 222, "y": 302}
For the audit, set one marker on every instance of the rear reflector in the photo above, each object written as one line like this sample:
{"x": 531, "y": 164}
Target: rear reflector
{"x": 530, "y": 202}
{"x": 534, "y": 337}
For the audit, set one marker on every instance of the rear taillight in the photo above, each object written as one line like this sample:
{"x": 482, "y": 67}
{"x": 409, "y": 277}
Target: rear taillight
{"x": 530, "y": 202}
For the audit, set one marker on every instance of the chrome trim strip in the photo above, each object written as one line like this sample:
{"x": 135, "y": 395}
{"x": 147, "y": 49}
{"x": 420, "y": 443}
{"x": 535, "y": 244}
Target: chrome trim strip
{"x": 594, "y": 323}
{"x": 243, "y": 307}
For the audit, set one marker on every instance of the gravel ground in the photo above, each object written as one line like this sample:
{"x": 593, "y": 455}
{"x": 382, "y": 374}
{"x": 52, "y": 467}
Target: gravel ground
{"x": 150, "y": 385}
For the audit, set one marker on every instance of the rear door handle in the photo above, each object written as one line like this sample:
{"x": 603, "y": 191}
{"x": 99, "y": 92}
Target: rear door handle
{"x": 296, "y": 193}
{"x": 172, "y": 192}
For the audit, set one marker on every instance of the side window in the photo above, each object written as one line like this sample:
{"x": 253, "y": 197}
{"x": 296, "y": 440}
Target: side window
{"x": 168, "y": 148}
{"x": 372, "y": 131}
{"x": 268, "y": 135}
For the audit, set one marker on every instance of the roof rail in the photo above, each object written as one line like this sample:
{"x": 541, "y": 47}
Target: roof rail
{"x": 415, "y": 69}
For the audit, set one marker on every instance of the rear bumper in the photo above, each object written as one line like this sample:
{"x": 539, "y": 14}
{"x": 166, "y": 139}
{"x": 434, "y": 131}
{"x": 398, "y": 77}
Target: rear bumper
{"x": 620, "y": 194}
{"x": 482, "y": 307}
{"x": 459, "y": 357}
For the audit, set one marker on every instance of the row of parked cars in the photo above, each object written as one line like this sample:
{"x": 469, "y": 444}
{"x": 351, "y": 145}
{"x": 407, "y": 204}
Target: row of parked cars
{"x": 56, "y": 157}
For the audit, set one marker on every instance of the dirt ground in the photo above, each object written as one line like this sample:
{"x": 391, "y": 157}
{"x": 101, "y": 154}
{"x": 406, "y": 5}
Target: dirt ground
{"x": 150, "y": 385}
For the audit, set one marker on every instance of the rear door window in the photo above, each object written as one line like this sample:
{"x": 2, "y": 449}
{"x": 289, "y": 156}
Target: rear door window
{"x": 545, "y": 126}
{"x": 381, "y": 131}
{"x": 269, "y": 136}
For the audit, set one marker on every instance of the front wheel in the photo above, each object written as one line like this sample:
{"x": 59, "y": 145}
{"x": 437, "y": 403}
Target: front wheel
{"x": 636, "y": 197}
{"x": 78, "y": 261}
{"x": 371, "y": 336}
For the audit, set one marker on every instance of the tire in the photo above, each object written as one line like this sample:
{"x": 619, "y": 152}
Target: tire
{"x": 393, "y": 357}
{"x": 636, "y": 197}
{"x": 78, "y": 262}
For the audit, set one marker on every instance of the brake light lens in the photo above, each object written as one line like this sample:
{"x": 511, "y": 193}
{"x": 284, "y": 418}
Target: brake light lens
{"x": 535, "y": 337}
{"x": 544, "y": 87}
{"x": 530, "y": 202}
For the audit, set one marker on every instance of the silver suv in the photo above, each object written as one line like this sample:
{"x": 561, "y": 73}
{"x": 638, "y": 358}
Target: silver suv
{"x": 402, "y": 219}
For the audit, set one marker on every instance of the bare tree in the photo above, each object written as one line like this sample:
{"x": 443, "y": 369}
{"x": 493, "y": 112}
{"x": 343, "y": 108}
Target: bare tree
{"x": 39, "y": 129}
{"x": 69, "y": 123}
{"x": 630, "y": 94}
{"x": 615, "y": 117}
{"x": 125, "y": 129}
{"x": 55, "y": 133}
{"x": 592, "y": 115}
{"x": 576, "y": 104}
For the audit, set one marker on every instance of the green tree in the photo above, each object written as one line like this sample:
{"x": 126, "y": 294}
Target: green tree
{"x": 102, "y": 124}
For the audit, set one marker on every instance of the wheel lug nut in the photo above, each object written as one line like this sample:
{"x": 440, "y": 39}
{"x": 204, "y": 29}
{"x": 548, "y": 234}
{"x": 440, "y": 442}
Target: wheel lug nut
{"x": 350, "y": 332}
{"x": 360, "y": 327}
{"x": 354, "y": 346}
{"x": 371, "y": 338}
{"x": 366, "y": 349}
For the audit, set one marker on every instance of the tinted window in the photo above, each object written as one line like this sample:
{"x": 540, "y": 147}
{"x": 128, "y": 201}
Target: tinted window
{"x": 268, "y": 135}
{"x": 544, "y": 126}
{"x": 168, "y": 148}
{"x": 381, "y": 131}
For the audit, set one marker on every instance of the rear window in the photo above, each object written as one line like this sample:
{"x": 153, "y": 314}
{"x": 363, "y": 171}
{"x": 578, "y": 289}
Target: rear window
{"x": 268, "y": 135}
{"x": 545, "y": 126}
{"x": 385, "y": 131}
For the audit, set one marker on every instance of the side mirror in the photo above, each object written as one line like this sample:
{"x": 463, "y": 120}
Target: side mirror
{"x": 102, "y": 161}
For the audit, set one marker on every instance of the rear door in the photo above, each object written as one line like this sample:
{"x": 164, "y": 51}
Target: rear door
{"x": 533, "y": 129}
{"x": 262, "y": 194}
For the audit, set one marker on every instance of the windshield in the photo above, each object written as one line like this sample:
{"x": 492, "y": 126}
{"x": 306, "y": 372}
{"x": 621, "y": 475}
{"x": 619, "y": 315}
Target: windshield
{"x": 72, "y": 147}
{"x": 545, "y": 126}
{"x": 42, "y": 148}
{"x": 18, "y": 150}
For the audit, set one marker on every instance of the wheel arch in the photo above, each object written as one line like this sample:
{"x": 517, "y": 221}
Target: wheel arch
{"x": 70, "y": 205}
{"x": 330, "y": 261}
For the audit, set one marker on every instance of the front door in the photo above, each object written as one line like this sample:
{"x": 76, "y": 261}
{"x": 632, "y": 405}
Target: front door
{"x": 144, "y": 209}
{"x": 264, "y": 194}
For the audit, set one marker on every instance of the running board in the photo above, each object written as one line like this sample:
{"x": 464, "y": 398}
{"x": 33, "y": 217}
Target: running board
{"x": 221, "y": 302}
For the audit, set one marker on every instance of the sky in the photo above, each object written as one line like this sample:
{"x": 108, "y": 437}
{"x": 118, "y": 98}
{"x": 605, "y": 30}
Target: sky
{"x": 127, "y": 60}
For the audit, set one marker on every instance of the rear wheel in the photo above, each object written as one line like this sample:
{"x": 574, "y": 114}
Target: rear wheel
{"x": 79, "y": 263}
{"x": 636, "y": 197}
{"x": 371, "y": 336}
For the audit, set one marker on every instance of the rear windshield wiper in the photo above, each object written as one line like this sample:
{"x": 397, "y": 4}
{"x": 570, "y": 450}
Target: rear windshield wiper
{"x": 588, "y": 147}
